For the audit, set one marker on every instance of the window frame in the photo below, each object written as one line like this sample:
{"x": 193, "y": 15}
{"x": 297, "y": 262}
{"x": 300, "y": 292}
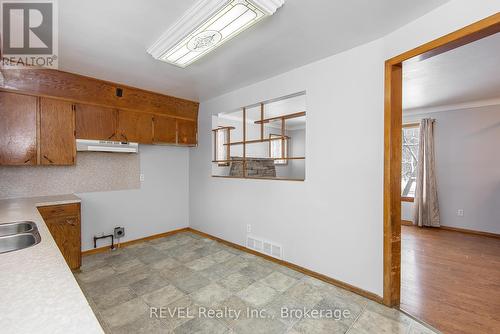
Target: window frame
{"x": 407, "y": 126}
{"x": 284, "y": 161}
{"x": 217, "y": 146}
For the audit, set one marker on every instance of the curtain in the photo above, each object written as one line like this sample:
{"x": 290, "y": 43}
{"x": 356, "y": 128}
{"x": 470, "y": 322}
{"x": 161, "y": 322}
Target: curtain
{"x": 426, "y": 204}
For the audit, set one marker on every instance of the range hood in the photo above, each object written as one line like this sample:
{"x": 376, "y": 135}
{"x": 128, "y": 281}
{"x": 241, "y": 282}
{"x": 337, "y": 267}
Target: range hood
{"x": 83, "y": 145}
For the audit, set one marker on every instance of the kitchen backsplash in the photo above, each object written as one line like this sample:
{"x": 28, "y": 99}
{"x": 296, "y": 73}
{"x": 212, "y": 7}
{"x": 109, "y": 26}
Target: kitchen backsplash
{"x": 94, "y": 171}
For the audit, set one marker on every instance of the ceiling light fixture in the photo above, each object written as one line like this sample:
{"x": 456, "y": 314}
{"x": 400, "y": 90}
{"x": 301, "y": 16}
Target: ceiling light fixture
{"x": 207, "y": 25}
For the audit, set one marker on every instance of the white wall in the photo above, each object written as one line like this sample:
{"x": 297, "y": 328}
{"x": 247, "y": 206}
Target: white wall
{"x": 160, "y": 205}
{"x": 468, "y": 166}
{"x": 321, "y": 222}
{"x": 316, "y": 219}
{"x": 407, "y": 211}
{"x": 296, "y": 168}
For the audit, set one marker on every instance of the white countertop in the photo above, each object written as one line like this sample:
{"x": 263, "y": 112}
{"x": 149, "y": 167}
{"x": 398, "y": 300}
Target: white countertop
{"x": 38, "y": 292}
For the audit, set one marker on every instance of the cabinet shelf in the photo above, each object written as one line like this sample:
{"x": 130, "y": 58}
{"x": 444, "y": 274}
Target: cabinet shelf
{"x": 257, "y": 178}
{"x": 265, "y": 140}
{"x": 224, "y": 128}
{"x": 268, "y": 160}
{"x": 282, "y": 117}
{"x": 253, "y": 158}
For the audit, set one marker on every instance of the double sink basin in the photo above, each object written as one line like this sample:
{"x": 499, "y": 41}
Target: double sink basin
{"x": 18, "y": 235}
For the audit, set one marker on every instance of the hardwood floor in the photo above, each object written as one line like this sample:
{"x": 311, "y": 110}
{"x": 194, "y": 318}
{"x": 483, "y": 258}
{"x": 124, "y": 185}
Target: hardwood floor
{"x": 451, "y": 280}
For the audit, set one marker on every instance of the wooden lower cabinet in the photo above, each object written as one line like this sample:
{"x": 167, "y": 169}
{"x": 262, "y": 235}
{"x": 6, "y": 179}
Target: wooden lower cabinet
{"x": 64, "y": 223}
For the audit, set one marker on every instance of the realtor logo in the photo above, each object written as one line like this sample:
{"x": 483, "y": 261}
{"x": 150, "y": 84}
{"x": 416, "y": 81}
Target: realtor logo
{"x": 28, "y": 33}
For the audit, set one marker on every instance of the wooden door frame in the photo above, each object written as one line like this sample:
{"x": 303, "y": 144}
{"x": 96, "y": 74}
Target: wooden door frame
{"x": 393, "y": 110}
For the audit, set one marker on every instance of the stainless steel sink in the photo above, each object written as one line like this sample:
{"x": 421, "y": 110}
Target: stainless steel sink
{"x": 17, "y": 227}
{"x": 18, "y": 235}
{"x": 15, "y": 242}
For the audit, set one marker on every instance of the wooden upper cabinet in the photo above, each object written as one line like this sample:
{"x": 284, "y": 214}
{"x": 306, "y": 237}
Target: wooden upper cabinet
{"x": 18, "y": 128}
{"x": 165, "y": 130}
{"x": 94, "y": 122}
{"x": 186, "y": 132}
{"x": 57, "y": 132}
{"x": 85, "y": 90}
{"x": 135, "y": 127}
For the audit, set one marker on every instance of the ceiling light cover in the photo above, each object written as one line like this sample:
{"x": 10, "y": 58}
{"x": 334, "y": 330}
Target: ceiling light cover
{"x": 206, "y": 26}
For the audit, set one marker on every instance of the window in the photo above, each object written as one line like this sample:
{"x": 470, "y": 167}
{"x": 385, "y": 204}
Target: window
{"x": 265, "y": 140}
{"x": 221, "y": 136}
{"x": 278, "y": 148}
{"x": 410, "y": 139}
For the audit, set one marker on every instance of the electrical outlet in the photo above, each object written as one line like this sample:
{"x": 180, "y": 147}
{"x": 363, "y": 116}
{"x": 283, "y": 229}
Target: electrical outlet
{"x": 460, "y": 212}
{"x": 119, "y": 232}
{"x": 249, "y": 228}
{"x": 141, "y": 177}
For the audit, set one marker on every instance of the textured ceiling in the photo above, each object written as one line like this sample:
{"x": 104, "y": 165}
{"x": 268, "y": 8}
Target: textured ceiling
{"x": 468, "y": 73}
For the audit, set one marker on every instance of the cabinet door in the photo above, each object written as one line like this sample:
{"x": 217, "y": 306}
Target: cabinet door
{"x": 66, "y": 233}
{"x": 165, "y": 130}
{"x": 18, "y": 129}
{"x": 135, "y": 127}
{"x": 93, "y": 122}
{"x": 57, "y": 132}
{"x": 186, "y": 132}
{"x": 64, "y": 225}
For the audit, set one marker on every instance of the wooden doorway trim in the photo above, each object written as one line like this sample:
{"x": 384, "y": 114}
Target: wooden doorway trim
{"x": 393, "y": 110}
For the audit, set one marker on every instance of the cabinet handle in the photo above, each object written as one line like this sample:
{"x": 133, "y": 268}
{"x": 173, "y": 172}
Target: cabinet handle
{"x": 71, "y": 222}
{"x": 48, "y": 159}
{"x": 125, "y": 137}
{"x": 27, "y": 161}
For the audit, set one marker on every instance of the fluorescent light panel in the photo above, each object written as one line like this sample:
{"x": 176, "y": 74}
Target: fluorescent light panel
{"x": 226, "y": 22}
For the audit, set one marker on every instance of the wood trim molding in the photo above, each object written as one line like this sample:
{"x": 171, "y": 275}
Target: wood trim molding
{"x": 135, "y": 241}
{"x": 411, "y": 125}
{"x": 282, "y": 118}
{"x": 392, "y": 141}
{"x": 224, "y": 128}
{"x": 392, "y": 182}
{"x": 86, "y": 90}
{"x": 471, "y": 33}
{"x": 456, "y": 229}
{"x": 474, "y": 232}
{"x": 407, "y": 199}
{"x": 253, "y": 141}
{"x": 305, "y": 271}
